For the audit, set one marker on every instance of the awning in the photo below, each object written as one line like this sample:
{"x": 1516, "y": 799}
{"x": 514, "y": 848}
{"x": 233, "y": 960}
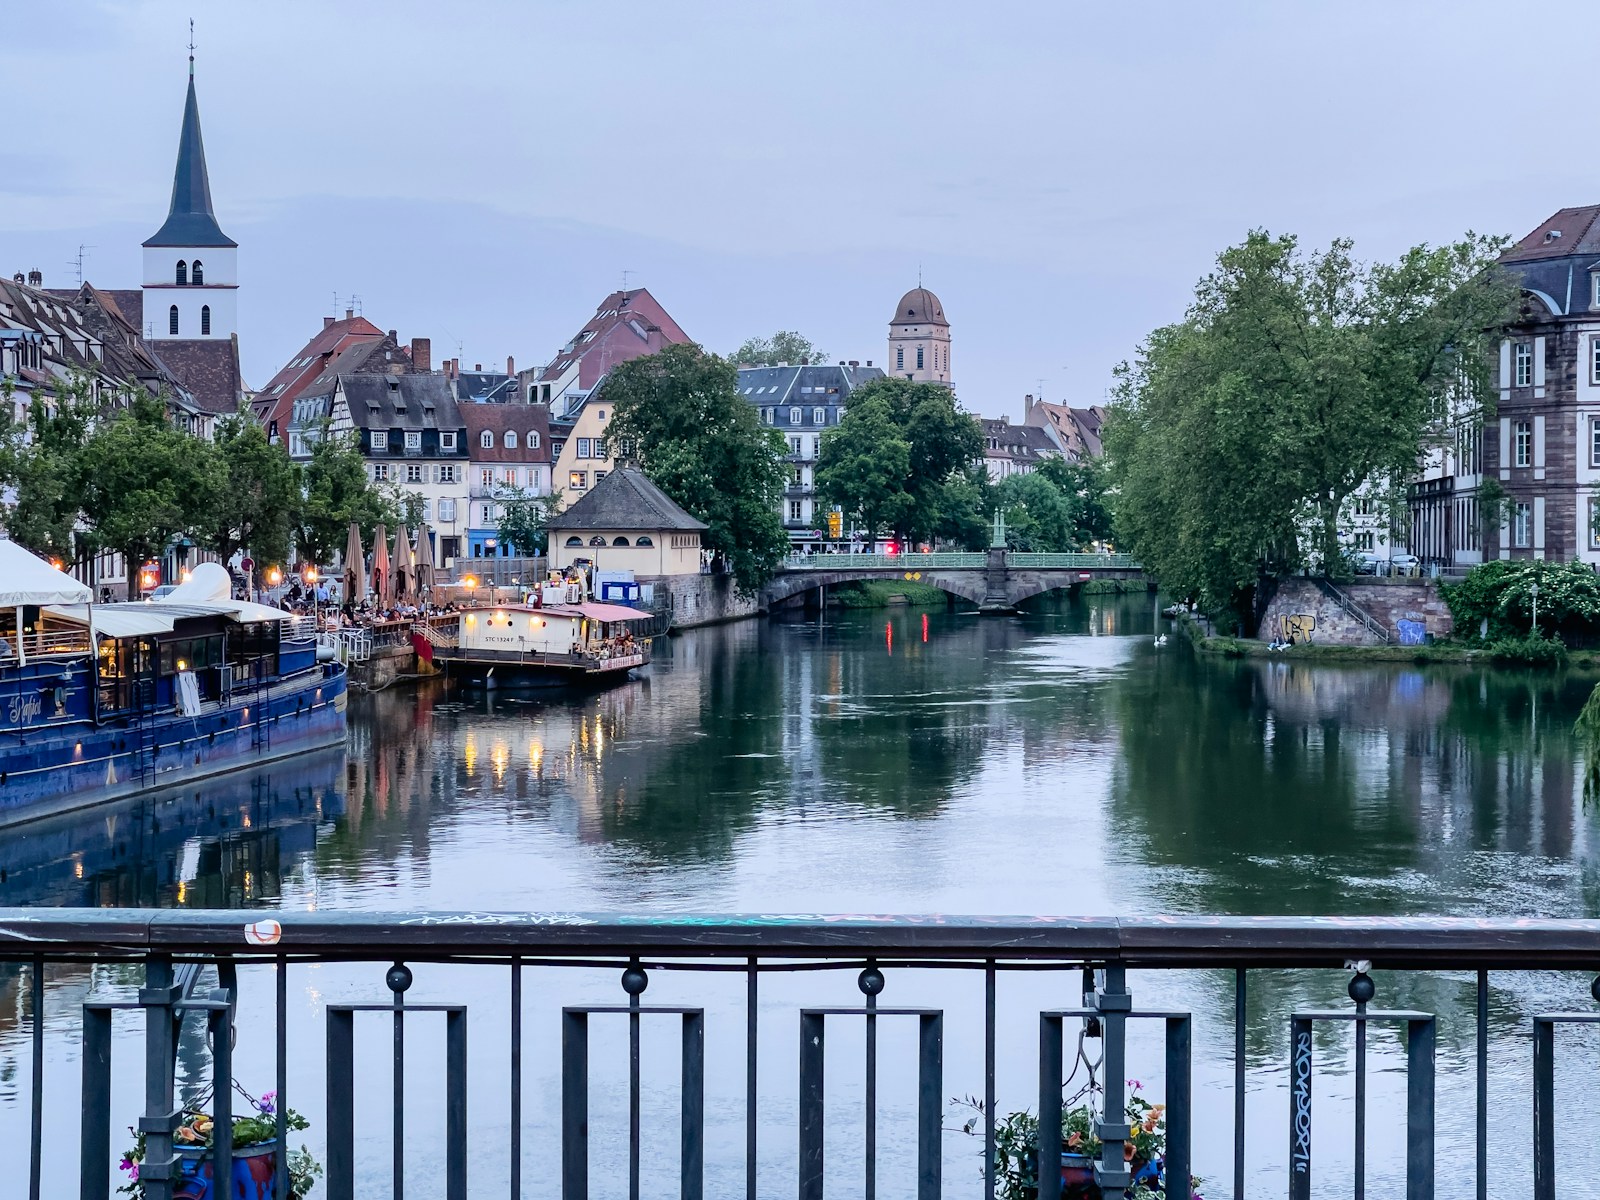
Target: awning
{"x": 29, "y": 580}
{"x": 118, "y": 620}
{"x": 596, "y": 611}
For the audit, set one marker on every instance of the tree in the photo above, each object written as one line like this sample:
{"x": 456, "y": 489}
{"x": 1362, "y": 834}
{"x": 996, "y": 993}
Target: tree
{"x": 145, "y": 483}
{"x": 524, "y": 519}
{"x": 1086, "y": 487}
{"x": 966, "y": 507}
{"x": 336, "y": 492}
{"x": 258, "y": 506}
{"x": 1039, "y": 517}
{"x": 1293, "y": 380}
{"x": 940, "y": 439}
{"x": 41, "y": 461}
{"x": 679, "y": 414}
{"x": 785, "y": 346}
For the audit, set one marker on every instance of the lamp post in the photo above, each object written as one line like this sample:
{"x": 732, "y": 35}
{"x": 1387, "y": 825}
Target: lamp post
{"x": 309, "y": 575}
{"x": 1533, "y": 590}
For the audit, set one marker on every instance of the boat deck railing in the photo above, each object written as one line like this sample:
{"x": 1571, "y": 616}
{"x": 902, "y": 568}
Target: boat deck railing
{"x": 47, "y": 643}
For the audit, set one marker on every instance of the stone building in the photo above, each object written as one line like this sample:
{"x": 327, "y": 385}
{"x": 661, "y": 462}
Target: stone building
{"x": 508, "y": 447}
{"x": 1013, "y": 449}
{"x": 627, "y": 523}
{"x": 919, "y": 339}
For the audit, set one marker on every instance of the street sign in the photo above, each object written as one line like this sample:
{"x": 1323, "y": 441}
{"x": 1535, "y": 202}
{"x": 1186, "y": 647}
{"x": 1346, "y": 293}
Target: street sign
{"x": 247, "y": 565}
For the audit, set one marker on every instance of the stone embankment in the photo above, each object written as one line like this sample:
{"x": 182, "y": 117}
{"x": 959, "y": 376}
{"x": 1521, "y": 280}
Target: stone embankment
{"x": 1303, "y": 607}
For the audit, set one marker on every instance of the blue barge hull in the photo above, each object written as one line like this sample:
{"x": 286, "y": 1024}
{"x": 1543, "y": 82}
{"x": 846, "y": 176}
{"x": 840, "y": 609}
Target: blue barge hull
{"x": 57, "y": 768}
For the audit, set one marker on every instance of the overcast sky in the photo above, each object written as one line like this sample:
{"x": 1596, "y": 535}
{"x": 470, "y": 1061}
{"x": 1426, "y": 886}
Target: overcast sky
{"x": 1061, "y": 174}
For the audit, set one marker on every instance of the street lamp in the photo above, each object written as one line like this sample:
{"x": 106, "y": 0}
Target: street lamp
{"x": 1533, "y": 590}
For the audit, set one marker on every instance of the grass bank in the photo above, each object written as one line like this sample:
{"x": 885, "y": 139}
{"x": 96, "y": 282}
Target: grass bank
{"x": 1442, "y": 652}
{"x": 881, "y": 593}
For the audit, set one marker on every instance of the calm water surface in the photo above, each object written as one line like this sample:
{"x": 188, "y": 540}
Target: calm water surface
{"x": 902, "y": 761}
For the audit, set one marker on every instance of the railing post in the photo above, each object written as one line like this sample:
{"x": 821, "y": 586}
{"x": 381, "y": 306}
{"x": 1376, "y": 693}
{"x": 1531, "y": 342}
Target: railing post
{"x": 94, "y": 1151}
{"x": 1113, "y": 1001}
{"x": 1300, "y": 1061}
{"x": 160, "y": 1119}
{"x": 811, "y": 1102}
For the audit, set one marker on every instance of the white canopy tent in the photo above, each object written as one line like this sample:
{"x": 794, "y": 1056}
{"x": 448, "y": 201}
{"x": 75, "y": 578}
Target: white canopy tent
{"x": 26, "y": 579}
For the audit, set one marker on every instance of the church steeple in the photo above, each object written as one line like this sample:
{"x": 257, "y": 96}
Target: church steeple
{"x": 190, "y": 221}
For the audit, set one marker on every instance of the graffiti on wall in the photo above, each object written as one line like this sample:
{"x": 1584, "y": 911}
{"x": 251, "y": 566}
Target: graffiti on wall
{"x": 1296, "y": 628}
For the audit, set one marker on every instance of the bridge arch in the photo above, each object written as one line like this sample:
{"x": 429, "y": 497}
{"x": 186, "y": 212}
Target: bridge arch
{"x": 966, "y": 585}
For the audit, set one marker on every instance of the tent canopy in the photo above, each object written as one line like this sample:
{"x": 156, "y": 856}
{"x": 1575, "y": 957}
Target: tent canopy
{"x": 26, "y": 579}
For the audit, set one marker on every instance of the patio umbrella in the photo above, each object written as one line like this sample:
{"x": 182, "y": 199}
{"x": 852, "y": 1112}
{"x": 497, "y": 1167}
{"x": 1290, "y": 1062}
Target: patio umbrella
{"x": 424, "y": 566}
{"x": 355, "y": 574}
{"x": 405, "y": 565}
{"x": 382, "y": 582}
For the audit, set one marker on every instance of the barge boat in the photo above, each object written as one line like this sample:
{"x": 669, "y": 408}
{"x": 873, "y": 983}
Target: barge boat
{"x": 102, "y": 701}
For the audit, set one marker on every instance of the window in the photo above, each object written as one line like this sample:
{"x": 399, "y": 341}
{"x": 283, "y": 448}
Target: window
{"x": 511, "y": 439}
{"x": 413, "y": 439}
{"x": 919, "y": 358}
{"x": 427, "y": 509}
{"x": 816, "y": 445}
{"x": 447, "y": 473}
{"x": 1524, "y": 368}
{"x": 380, "y": 472}
{"x": 643, "y": 541}
{"x": 1364, "y": 541}
{"x": 794, "y": 510}
{"x": 794, "y": 477}
{"x": 413, "y": 472}
{"x": 794, "y": 416}
{"x": 619, "y": 541}
{"x": 205, "y": 317}
{"x": 183, "y": 273}
{"x": 447, "y": 510}
{"x": 510, "y": 478}
{"x": 533, "y": 440}
{"x": 819, "y": 416}
{"x": 1522, "y": 437}
{"x": 794, "y": 446}
{"x": 602, "y": 414}
{"x": 1594, "y": 442}
{"x": 599, "y": 475}
{"x": 577, "y": 479}
{"x": 197, "y": 275}
{"x": 1594, "y": 360}
{"x": 486, "y": 476}
{"x": 574, "y": 541}
{"x": 1594, "y": 522}
{"x": 766, "y": 413}
{"x": 1522, "y": 525}
{"x": 486, "y": 440}
{"x": 900, "y": 358}
{"x": 172, "y": 321}
{"x": 380, "y": 439}
{"x": 583, "y": 448}
{"x": 447, "y": 441}
{"x": 1364, "y": 508}
{"x": 598, "y": 540}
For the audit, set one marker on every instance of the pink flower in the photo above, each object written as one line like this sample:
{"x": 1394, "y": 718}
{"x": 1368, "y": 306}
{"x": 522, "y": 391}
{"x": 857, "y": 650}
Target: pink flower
{"x": 268, "y": 1101}
{"x": 126, "y": 1164}
{"x": 1135, "y": 1084}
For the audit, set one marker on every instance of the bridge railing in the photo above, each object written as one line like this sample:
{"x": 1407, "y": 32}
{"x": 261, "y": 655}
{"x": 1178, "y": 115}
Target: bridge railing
{"x": 718, "y": 981}
{"x": 959, "y": 561}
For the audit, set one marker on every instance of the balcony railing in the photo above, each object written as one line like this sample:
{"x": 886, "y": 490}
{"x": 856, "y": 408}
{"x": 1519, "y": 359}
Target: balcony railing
{"x": 725, "y": 979}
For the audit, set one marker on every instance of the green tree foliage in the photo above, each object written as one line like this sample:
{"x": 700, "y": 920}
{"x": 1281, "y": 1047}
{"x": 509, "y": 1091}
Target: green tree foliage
{"x": 336, "y": 492}
{"x": 679, "y": 414}
{"x": 1501, "y": 592}
{"x": 1086, "y": 486}
{"x": 1293, "y": 379}
{"x": 41, "y": 460}
{"x": 146, "y": 482}
{"x": 1038, "y": 514}
{"x": 785, "y": 346}
{"x": 258, "y": 506}
{"x": 524, "y": 519}
{"x": 859, "y": 467}
{"x": 966, "y": 509}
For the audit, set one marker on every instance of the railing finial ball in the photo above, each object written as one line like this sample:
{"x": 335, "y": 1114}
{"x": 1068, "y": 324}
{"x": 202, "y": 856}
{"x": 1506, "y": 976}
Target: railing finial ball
{"x": 634, "y": 980}
{"x": 1362, "y": 989}
{"x": 870, "y": 981}
{"x": 398, "y": 977}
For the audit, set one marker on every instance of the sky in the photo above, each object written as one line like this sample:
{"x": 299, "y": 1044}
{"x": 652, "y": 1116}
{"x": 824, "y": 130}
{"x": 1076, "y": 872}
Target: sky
{"x": 1060, "y": 174}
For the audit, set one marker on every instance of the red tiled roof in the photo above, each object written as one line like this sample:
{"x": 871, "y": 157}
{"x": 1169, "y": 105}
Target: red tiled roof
{"x": 208, "y": 368}
{"x": 627, "y": 325}
{"x": 496, "y": 419}
{"x": 298, "y": 374}
{"x": 1570, "y": 231}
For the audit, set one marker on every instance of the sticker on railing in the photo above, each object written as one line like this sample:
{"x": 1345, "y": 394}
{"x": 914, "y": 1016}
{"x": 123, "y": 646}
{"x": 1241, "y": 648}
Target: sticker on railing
{"x": 263, "y": 933}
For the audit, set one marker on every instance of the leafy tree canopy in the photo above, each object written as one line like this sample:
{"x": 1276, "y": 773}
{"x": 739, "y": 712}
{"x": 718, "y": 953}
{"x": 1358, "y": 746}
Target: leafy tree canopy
{"x": 785, "y": 346}
{"x": 336, "y": 492}
{"x": 679, "y": 414}
{"x": 859, "y": 467}
{"x": 258, "y": 506}
{"x": 524, "y": 519}
{"x": 1293, "y": 379}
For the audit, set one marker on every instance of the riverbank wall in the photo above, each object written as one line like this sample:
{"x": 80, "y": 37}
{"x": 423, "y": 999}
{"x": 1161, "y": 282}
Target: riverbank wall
{"x": 1301, "y": 609}
{"x": 698, "y": 600}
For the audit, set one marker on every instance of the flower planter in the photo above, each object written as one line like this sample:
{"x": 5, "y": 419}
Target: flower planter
{"x": 250, "y": 1178}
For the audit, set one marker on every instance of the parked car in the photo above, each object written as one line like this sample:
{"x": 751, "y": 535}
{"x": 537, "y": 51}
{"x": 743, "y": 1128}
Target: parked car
{"x": 1406, "y": 564}
{"x": 166, "y": 589}
{"x": 1368, "y": 563}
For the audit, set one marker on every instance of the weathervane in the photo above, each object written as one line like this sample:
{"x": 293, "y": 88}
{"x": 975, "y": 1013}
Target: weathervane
{"x": 191, "y": 47}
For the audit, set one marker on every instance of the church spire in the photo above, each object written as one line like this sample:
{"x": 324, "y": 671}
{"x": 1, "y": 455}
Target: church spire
{"x": 190, "y": 221}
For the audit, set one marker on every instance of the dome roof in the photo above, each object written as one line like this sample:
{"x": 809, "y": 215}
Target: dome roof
{"x": 919, "y": 306}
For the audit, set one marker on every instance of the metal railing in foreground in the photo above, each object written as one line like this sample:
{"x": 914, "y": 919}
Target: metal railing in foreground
{"x": 1098, "y": 952}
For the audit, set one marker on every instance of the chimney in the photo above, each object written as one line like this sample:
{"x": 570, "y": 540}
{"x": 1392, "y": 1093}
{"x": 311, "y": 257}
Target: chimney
{"x": 854, "y": 364}
{"x": 349, "y": 314}
{"x": 869, "y": 362}
{"x": 511, "y": 365}
{"x": 19, "y": 277}
{"x": 327, "y": 321}
{"x": 35, "y": 278}
{"x": 1027, "y": 405}
{"x": 421, "y": 354}
{"x": 394, "y": 337}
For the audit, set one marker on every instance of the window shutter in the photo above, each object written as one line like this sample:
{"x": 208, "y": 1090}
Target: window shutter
{"x": 1505, "y": 365}
{"x": 1538, "y": 362}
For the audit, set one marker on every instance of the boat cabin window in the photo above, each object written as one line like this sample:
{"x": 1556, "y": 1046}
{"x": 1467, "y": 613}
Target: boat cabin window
{"x": 195, "y": 654}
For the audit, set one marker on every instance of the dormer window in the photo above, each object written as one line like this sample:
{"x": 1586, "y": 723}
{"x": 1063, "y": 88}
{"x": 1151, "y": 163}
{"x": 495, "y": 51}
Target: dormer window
{"x": 533, "y": 440}
{"x": 486, "y": 440}
{"x": 1594, "y": 289}
{"x": 197, "y": 274}
{"x": 183, "y": 273}
{"x": 511, "y": 439}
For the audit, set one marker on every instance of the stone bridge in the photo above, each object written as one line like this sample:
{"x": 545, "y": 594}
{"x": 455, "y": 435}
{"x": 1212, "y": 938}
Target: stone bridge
{"x": 996, "y": 581}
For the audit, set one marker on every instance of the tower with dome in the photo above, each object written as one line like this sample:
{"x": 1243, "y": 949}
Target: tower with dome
{"x": 919, "y": 339}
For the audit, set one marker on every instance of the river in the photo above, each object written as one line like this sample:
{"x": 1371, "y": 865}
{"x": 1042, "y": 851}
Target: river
{"x": 900, "y": 761}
